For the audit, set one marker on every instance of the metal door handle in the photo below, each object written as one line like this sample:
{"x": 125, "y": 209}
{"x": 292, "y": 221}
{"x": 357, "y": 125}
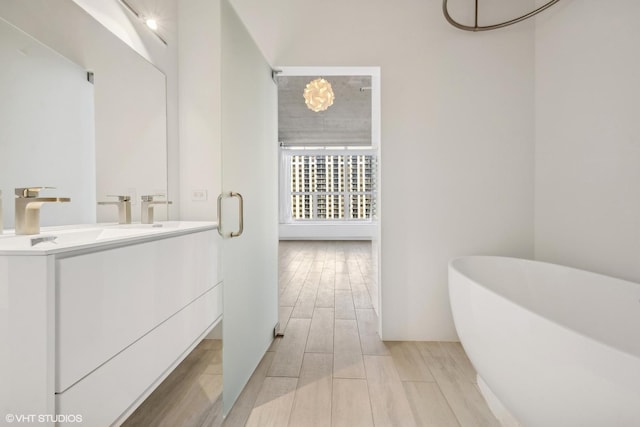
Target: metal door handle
{"x": 240, "y": 214}
{"x": 220, "y": 214}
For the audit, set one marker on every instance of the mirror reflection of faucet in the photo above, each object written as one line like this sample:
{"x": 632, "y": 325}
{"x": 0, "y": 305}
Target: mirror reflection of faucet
{"x": 148, "y": 202}
{"x": 28, "y": 204}
{"x": 124, "y": 208}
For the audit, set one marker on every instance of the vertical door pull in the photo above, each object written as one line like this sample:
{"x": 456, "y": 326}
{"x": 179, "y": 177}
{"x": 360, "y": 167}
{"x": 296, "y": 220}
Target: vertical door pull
{"x": 240, "y": 214}
{"x": 220, "y": 214}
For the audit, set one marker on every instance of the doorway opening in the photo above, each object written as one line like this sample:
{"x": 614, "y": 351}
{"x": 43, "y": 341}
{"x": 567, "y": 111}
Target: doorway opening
{"x": 329, "y": 195}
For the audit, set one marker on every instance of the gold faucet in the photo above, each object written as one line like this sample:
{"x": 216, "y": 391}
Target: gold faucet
{"x": 28, "y": 206}
{"x": 124, "y": 208}
{"x": 146, "y": 216}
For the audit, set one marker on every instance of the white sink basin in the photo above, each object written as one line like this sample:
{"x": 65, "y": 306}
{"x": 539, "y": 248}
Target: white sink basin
{"x": 65, "y": 238}
{"x": 174, "y": 225}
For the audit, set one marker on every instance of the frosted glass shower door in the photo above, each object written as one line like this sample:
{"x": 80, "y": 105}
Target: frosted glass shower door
{"x": 249, "y": 167}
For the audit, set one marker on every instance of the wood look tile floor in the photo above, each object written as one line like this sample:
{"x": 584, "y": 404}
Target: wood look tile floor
{"x": 190, "y": 396}
{"x": 330, "y": 368}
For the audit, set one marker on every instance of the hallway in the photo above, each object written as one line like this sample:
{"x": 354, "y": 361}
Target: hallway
{"x": 331, "y": 369}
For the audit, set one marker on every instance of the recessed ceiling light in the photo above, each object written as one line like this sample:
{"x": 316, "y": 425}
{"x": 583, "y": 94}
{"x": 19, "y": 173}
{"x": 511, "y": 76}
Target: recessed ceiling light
{"x": 151, "y": 23}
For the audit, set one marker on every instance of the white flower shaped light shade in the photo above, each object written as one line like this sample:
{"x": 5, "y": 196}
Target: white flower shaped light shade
{"x": 318, "y": 95}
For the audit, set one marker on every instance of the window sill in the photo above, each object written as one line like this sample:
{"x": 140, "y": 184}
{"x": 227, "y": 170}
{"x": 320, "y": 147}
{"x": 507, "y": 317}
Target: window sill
{"x": 325, "y": 230}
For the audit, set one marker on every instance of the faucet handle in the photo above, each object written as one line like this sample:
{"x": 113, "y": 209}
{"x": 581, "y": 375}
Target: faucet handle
{"x": 120, "y": 198}
{"x": 27, "y": 192}
{"x": 149, "y": 197}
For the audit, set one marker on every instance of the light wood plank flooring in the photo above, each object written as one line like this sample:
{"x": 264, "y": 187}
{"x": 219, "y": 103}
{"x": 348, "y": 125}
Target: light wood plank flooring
{"x": 330, "y": 368}
{"x": 191, "y": 396}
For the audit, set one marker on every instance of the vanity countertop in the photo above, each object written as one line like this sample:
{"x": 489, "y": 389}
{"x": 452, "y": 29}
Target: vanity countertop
{"x": 84, "y": 237}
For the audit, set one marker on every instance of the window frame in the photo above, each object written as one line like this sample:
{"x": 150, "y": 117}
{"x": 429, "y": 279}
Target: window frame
{"x": 286, "y": 214}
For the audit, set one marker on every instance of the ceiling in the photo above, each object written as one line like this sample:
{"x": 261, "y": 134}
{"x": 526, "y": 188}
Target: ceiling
{"x": 346, "y": 122}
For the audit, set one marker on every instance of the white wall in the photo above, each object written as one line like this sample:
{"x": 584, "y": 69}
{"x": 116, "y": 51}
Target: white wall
{"x": 199, "y": 80}
{"x": 588, "y": 137}
{"x": 457, "y": 136}
{"x": 319, "y": 231}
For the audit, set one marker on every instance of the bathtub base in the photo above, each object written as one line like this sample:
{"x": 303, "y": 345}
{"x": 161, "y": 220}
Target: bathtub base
{"x": 557, "y": 346}
{"x": 497, "y": 408}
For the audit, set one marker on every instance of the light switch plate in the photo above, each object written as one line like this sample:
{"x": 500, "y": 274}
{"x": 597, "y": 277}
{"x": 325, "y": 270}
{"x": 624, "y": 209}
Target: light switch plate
{"x": 199, "y": 195}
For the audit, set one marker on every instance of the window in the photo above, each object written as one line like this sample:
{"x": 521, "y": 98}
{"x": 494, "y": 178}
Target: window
{"x": 328, "y": 185}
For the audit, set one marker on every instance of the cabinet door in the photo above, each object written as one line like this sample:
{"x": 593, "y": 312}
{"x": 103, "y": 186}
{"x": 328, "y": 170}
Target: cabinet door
{"x": 249, "y": 167}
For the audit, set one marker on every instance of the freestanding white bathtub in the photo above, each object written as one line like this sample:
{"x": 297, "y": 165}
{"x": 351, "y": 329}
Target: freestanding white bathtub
{"x": 558, "y": 347}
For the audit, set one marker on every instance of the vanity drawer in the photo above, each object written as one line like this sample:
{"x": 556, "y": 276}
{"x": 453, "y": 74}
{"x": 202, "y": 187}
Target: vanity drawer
{"x": 107, "y": 300}
{"x": 107, "y": 393}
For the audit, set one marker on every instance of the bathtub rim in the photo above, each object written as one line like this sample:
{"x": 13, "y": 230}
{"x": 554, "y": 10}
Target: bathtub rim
{"x": 529, "y": 310}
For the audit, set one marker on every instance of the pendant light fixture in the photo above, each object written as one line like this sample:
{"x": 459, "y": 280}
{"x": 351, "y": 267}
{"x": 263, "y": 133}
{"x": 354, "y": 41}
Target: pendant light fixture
{"x": 318, "y": 95}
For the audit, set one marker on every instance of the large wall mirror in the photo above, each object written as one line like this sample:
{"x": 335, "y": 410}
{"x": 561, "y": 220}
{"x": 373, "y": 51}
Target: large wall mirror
{"x": 58, "y": 129}
{"x": 46, "y": 127}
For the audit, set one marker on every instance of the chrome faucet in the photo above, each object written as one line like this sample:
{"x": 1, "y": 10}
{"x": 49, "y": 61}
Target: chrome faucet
{"x": 124, "y": 208}
{"x": 28, "y": 206}
{"x": 147, "y": 207}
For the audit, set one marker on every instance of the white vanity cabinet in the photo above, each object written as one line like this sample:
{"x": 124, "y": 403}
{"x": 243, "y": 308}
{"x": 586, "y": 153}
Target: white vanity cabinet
{"x": 92, "y": 331}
